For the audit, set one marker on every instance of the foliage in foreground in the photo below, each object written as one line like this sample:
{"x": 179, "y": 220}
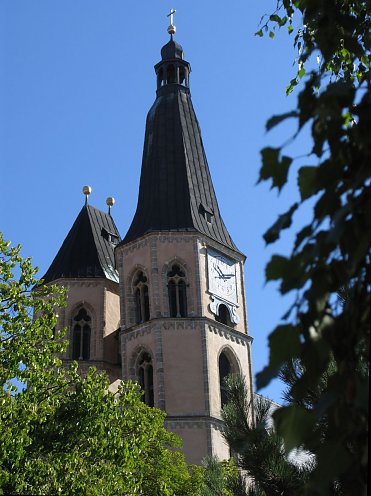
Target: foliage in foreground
{"x": 222, "y": 478}
{"x": 65, "y": 434}
{"x": 331, "y": 254}
{"x": 258, "y": 449}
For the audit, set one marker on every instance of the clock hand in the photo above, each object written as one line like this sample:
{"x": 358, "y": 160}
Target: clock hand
{"x": 219, "y": 270}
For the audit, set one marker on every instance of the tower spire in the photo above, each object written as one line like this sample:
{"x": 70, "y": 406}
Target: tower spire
{"x": 176, "y": 191}
{"x": 172, "y": 28}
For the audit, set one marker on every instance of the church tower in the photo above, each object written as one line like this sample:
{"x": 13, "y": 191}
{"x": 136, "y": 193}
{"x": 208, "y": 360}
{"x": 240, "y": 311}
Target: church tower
{"x": 85, "y": 266}
{"x": 182, "y": 297}
{"x": 166, "y": 305}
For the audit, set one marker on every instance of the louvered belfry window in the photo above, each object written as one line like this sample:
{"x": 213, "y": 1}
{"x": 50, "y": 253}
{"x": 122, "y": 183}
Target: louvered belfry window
{"x": 141, "y": 297}
{"x": 177, "y": 290}
{"x": 81, "y": 335}
{"x": 145, "y": 377}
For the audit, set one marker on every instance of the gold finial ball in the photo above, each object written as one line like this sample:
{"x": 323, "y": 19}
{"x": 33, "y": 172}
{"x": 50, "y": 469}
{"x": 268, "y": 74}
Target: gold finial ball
{"x": 171, "y": 29}
{"x": 110, "y": 201}
{"x": 86, "y": 190}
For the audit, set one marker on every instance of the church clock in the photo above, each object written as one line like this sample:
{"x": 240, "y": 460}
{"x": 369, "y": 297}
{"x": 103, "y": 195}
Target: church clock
{"x": 222, "y": 276}
{"x": 222, "y": 283}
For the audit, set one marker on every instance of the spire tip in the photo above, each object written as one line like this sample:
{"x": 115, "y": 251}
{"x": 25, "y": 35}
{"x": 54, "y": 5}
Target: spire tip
{"x": 86, "y": 191}
{"x": 171, "y": 29}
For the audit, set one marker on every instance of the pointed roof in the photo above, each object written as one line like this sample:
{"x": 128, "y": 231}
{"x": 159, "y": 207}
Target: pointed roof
{"x": 176, "y": 191}
{"x": 88, "y": 250}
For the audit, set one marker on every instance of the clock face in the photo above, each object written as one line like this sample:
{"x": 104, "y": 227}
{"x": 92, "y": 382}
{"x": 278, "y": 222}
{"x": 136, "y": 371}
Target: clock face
{"x": 222, "y": 276}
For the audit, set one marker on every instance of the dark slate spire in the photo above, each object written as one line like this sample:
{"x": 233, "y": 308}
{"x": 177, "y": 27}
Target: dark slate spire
{"x": 176, "y": 192}
{"x": 88, "y": 250}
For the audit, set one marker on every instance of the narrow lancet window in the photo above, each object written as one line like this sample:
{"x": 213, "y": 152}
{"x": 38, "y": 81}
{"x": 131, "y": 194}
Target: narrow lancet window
{"x": 177, "y": 291}
{"x": 145, "y": 377}
{"x": 224, "y": 370}
{"x": 141, "y": 297}
{"x": 81, "y": 335}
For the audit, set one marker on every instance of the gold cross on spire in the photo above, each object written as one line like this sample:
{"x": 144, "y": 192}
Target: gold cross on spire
{"x": 171, "y": 29}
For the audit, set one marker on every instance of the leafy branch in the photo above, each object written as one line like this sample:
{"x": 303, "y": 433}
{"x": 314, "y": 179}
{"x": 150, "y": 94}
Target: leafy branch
{"x": 331, "y": 252}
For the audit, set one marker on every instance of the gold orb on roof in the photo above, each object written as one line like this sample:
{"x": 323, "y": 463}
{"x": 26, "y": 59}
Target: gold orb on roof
{"x": 86, "y": 190}
{"x": 171, "y": 29}
{"x": 110, "y": 201}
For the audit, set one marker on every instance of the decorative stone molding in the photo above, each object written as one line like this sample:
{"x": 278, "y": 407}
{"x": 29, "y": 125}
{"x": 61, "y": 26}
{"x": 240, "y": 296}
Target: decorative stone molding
{"x": 214, "y": 307}
{"x": 155, "y": 305}
{"x": 192, "y": 422}
{"x": 86, "y": 283}
{"x": 205, "y": 371}
{"x": 187, "y": 323}
{"x": 137, "y": 333}
{"x": 208, "y": 242}
{"x": 160, "y": 371}
{"x": 162, "y": 237}
{"x": 230, "y": 334}
{"x": 133, "y": 246}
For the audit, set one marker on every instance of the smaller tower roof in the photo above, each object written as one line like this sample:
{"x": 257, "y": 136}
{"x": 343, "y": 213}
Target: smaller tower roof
{"x": 88, "y": 250}
{"x": 172, "y": 50}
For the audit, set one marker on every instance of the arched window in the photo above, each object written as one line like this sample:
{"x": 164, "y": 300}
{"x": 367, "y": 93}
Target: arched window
{"x": 160, "y": 78}
{"x": 225, "y": 368}
{"x": 141, "y": 298}
{"x": 177, "y": 291}
{"x": 171, "y": 74}
{"x": 223, "y": 316}
{"x": 182, "y": 75}
{"x": 145, "y": 377}
{"x": 81, "y": 335}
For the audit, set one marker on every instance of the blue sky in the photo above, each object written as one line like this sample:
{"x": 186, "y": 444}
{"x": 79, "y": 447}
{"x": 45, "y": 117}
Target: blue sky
{"x": 76, "y": 83}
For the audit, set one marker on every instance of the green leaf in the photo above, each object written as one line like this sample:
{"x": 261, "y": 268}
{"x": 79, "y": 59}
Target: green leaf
{"x": 274, "y": 167}
{"x": 276, "y": 119}
{"x": 301, "y": 72}
{"x": 295, "y": 424}
{"x": 291, "y": 86}
{"x": 275, "y": 18}
{"x": 271, "y": 34}
{"x": 259, "y": 33}
{"x": 302, "y": 235}
{"x": 284, "y": 344}
{"x": 307, "y": 181}
{"x": 276, "y": 268}
{"x": 283, "y": 222}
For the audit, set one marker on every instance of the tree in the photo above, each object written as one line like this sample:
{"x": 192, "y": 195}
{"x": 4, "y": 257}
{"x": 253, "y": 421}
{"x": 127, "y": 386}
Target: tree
{"x": 221, "y": 478}
{"x": 61, "y": 433}
{"x": 332, "y": 252}
{"x": 258, "y": 449}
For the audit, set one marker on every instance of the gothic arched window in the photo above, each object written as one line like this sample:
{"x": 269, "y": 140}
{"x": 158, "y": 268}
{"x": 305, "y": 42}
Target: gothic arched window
{"x": 145, "y": 377}
{"x": 177, "y": 290}
{"x": 141, "y": 297}
{"x": 81, "y": 334}
{"x": 223, "y": 316}
{"x": 225, "y": 368}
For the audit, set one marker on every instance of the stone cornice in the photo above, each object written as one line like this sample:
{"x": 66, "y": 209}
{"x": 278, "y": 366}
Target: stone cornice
{"x": 192, "y": 421}
{"x": 187, "y": 323}
{"x": 99, "y": 364}
{"x": 179, "y": 237}
{"x": 87, "y": 282}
